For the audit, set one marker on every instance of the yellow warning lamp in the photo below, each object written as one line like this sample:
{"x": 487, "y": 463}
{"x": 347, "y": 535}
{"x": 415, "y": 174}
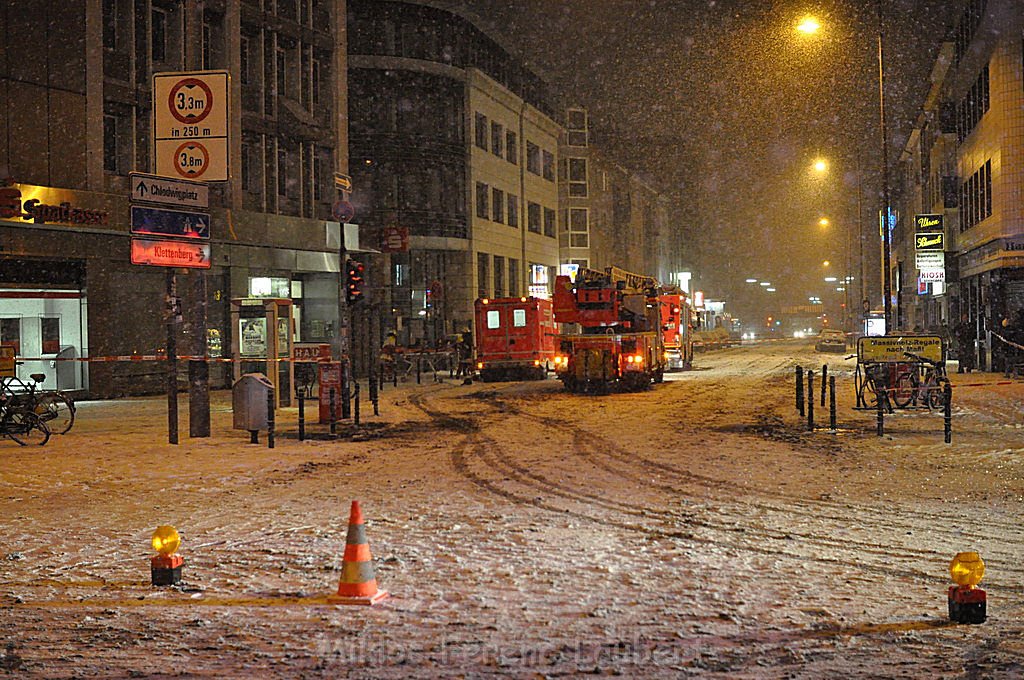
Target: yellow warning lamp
{"x": 165, "y": 566}
{"x": 967, "y": 569}
{"x": 166, "y": 540}
{"x": 967, "y": 602}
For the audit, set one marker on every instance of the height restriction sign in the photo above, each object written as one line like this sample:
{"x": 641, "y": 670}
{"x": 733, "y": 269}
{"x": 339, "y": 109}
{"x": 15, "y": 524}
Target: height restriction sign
{"x": 190, "y": 125}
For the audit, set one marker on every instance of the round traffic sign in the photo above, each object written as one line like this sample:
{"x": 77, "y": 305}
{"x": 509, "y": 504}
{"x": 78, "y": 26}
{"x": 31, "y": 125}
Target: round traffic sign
{"x": 190, "y": 100}
{"x": 191, "y": 160}
{"x": 343, "y": 211}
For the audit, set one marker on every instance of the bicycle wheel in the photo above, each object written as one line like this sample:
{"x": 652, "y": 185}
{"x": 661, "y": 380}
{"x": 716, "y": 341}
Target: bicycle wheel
{"x": 57, "y": 410}
{"x": 868, "y": 397}
{"x": 26, "y": 428}
{"x": 906, "y": 384}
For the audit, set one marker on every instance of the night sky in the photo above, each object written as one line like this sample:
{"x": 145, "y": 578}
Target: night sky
{"x": 725, "y": 104}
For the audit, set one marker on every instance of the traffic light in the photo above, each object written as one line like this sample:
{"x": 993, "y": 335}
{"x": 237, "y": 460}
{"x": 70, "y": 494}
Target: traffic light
{"x": 353, "y": 281}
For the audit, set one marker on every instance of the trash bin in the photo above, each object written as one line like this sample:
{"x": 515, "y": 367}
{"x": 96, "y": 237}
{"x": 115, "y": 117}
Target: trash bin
{"x": 249, "y": 396}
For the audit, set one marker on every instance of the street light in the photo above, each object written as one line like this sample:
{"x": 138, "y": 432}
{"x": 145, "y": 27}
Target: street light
{"x": 809, "y": 25}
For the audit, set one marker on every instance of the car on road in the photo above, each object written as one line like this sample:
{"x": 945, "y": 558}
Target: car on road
{"x": 830, "y": 340}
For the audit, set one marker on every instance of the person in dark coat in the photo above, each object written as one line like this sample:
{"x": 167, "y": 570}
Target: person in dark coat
{"x": 964, "y": 336}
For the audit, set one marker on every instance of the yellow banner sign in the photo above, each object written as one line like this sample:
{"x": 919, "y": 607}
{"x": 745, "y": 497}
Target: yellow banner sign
{"x": 893, "y": 348}
{"x": 7, "y": 359}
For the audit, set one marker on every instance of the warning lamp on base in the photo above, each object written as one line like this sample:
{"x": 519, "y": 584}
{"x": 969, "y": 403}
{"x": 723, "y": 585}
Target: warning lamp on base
{"x": 165, "y": 566}
{"x": 967, "y": 602}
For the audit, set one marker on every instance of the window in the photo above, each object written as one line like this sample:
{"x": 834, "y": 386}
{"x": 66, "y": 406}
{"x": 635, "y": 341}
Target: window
{"x": 493, "y": 319}
{"x": 499, "y": 276}
{"x": 480, "y": 128}
{"x": 577, "y": 177}
{"x": 577, "y": 127}
{"x": 483, "y": 262}
{"x": 282, "y": 69}
{"x": 519, "y": 318}
{"x": 316, "y": 82}
{"x": 513, "y": 277}
{"x": 498, "y": 205}
{"x": 110, "y": 24}
{"x": 973, "y": 106}
{"x": 976, "y": 197}
{"x": 282, "y": 171}
{"x": 481, "y": 201}
{"x": 245, "y": 56}
{"x": 10, "y": 333}
{"x": 513, "y": 210}
{"x": 549, "y": 222}
{"x": 533, "y": 217}
{"x": 549, "y": 166}
{"x": 497, "y": 139}
{"x": 110, "y": 143}
{"x": 511, "y": 148}
{"x": 578, "y": 227}
{"x": 158, "y": 35}
{"x": 532, "y": 157}
{"x": 207, "y": 59}
{"x": 49, "y": 328}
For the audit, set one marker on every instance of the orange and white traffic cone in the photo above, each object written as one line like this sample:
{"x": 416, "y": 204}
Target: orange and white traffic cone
{"x": 358, "y": 584}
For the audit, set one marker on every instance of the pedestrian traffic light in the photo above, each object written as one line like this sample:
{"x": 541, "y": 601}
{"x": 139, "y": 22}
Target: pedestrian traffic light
{"x": 353, "y": 281}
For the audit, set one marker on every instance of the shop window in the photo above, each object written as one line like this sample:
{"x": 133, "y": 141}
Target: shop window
{"x": 49, "y": 328}
{"x": 10, "y": 333}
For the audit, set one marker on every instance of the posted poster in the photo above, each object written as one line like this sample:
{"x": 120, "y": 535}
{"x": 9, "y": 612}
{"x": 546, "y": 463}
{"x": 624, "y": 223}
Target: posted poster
{"x": 252, "y": 338}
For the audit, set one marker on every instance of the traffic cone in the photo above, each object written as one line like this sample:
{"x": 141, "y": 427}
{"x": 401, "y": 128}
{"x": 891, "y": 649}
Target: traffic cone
{"x": 358, "y": 584}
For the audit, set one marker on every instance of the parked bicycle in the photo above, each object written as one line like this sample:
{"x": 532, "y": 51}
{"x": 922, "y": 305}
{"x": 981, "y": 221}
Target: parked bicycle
{"x": 53, "y": 407}
{"x": 20, "y": 422}
{"x": 875, "y": 386}
{"x": 925, "y": 384}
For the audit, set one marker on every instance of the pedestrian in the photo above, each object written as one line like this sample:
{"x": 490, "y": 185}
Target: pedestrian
{"x": 1013, "y": 335}
{"x": 465, "y": 350}
{"x": 964, "y": 336}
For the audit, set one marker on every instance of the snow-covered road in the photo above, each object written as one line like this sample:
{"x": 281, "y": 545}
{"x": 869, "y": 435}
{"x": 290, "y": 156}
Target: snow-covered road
{"x": 697, "y": 529}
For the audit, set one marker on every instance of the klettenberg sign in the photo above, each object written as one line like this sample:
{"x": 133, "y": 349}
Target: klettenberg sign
{"x": 892, "y": 348}
{"x": 929, "y": 241}
{"x": 929, "y": 222}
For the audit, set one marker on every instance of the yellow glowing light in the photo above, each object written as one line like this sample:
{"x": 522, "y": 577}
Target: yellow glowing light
{"x": 967, "y": 569}
{"x": 821, "y": 165}
{"x": 166, "y": 540}
{"x": 823, "y": 221}
{"x": 825, "y": 263}
{"x": 808, "y": 25}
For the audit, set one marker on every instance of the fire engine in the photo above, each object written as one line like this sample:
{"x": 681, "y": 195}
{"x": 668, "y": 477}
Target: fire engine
{"x": 620, "y": 342}
{"x": 515, "y": 338}
{"x": 675, "y": 325}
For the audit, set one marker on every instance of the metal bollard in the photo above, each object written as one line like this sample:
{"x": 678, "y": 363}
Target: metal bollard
{"x": 810, "y": 400}
{"x": 346, "y": 403}
{"x": 334, "y": 416}
{"x": 880, "y": 417}
{"x": 947, "y": 412}
{"x": 832, "y": 402}
{"x": 302, "y": 417}
{"x": 800, "y": 390}
{"x": 375, "y": 393}
{"x": 355, "y": 413}
{"x": 419, "y": 369}
{"x": 824, "y": 381}
{"x": 270, "y": 419}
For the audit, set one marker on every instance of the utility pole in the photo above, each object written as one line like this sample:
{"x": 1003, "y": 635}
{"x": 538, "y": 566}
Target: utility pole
{"x": 886, "y": 234}
{"x": 198, "y": 368}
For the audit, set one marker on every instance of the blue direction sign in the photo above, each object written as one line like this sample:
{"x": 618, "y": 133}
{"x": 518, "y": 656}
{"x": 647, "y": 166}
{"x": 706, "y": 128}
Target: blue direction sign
{"x": 176, "y": 223}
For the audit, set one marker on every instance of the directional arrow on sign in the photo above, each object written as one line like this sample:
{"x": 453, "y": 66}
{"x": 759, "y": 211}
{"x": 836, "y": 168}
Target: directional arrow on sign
{"x": 142, "y": 189}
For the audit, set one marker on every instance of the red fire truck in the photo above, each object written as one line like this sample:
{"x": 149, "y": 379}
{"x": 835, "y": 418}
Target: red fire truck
{"x": 515, "y": 338}
{"x": 619, "y": 343}
{"x": 675, "y": 325}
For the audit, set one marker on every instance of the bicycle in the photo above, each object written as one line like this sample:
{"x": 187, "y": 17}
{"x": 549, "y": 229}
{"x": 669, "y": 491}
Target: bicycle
{"x": 53, "y": 407}
{"x": 19, "y": 421}
{"x": 875, "y": 383}
{"x": 927, "y": 386}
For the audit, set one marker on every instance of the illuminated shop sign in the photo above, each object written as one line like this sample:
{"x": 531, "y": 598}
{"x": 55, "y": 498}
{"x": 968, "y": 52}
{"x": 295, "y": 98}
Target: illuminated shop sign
{"x": 34, "y": 210}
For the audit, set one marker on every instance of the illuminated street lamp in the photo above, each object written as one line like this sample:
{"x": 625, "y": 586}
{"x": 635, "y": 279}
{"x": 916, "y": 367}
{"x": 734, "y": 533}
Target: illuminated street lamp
{"x": 765, "y": 283}
{"x": 821, "y": 165}
{"x": 808, "y": 25}
{"x": 823, "y": 222}
{"x": 751, "y": 280}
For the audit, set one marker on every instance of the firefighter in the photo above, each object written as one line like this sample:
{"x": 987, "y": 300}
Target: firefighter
{"x": 387, "y": 355}
{"x": 465, "y": 351}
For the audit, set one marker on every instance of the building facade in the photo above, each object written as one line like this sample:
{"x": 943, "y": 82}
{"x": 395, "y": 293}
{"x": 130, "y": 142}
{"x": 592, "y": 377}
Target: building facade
{"x": 966, "y": 161}
{"x": 77, "y": 123}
